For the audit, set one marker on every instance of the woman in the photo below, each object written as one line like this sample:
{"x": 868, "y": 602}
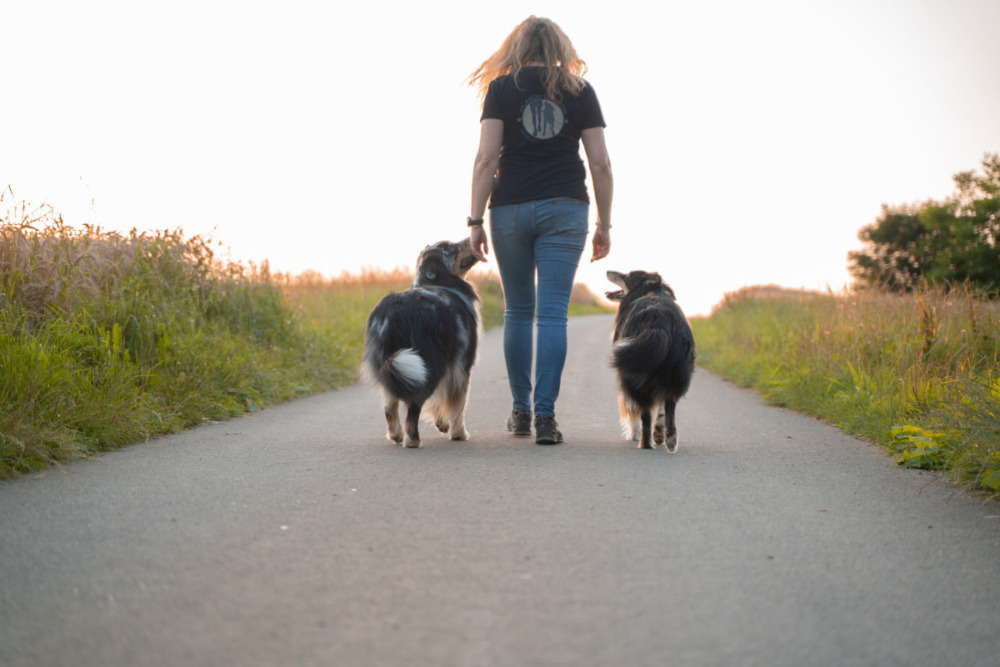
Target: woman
{"x": 537, "y": 109}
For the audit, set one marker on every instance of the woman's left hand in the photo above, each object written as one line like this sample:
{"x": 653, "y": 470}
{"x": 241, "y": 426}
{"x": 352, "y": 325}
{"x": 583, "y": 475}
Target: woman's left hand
{"x": 602, "y": 244}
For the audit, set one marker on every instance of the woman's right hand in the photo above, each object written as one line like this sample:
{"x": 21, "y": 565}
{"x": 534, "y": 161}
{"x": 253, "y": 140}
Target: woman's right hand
{"x": 480, "y": 245}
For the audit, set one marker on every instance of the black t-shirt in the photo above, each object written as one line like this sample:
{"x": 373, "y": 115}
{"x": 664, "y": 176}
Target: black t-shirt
{"x": 540, "y": 154}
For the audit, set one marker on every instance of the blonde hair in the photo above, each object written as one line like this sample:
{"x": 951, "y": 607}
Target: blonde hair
{"x": 541, "y": 42}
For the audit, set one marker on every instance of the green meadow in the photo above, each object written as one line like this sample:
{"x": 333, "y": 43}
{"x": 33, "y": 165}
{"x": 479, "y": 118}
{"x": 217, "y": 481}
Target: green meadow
{"x": 109, "y": 339}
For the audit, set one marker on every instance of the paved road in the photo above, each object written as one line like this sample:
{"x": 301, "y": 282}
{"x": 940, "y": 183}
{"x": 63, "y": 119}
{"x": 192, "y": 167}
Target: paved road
{"x": 299, "y": 536}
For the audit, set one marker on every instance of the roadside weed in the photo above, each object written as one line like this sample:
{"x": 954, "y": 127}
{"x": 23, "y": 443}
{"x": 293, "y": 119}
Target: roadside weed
{"x": 919, "y": 373}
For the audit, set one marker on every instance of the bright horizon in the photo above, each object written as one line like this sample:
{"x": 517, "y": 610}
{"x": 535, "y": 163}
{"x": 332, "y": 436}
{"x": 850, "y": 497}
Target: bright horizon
{"x": 750, "y": 143}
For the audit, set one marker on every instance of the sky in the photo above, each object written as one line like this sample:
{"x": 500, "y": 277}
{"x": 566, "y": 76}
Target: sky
{"x": 749, "y": 141}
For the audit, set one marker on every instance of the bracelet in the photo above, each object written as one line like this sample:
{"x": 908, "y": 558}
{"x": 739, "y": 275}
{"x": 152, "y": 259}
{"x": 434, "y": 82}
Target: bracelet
{"x": 603, "y": 225}
{"x": 474, "y": 223}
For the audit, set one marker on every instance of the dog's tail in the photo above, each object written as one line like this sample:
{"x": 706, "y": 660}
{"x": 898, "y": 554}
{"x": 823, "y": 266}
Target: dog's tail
{"x": 639, "y": 353}
{"x": 653, "y": 349}
{"x": 402, "y": 373}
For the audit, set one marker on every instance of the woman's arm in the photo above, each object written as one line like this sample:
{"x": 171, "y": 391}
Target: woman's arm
{"x": 604, "y": 185}
{"x": 483, "y": 171}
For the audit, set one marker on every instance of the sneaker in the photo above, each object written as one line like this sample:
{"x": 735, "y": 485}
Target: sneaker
{"x": 546, "y": 432}
{"x": 519, "y": 422}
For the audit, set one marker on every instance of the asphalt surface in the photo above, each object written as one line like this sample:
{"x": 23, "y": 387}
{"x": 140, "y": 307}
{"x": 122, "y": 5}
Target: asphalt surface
{"x": 300, "y": 536}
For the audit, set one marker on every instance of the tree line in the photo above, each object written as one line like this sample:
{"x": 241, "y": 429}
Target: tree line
{"x": 946, "y": 242}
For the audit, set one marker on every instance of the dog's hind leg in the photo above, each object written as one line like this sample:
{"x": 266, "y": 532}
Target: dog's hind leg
{"x": 629, "y": 418}
{"x": 411, "y": 435}
{"x": 441, "y": 422}
{"x": 669, "y": 407}
{"x": 393, "y": 431}
{"x": 437, "y": 410}
{"x": 447, "y": 407}
{"x": 660, "y": 428}
{"x": 450, "y": 413}
{"x": 646, "y": 440}
{"x": 458, "y": 430}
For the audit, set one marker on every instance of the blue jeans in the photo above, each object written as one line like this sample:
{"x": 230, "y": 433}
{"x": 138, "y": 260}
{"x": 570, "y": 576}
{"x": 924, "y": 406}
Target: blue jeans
{"x": 543, "y": 238}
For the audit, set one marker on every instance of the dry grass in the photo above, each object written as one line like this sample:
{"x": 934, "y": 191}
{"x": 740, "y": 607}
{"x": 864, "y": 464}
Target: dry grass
{"x": 47, "y": 265}
{"x": 763, "y": 293}
{"x": 319, "y": 297}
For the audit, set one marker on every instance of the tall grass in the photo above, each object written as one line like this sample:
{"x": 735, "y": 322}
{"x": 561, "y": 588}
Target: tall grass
{"x": 349, "y": 298}
{"x": 108, "y": 339}
{"x": 918, "y": 373}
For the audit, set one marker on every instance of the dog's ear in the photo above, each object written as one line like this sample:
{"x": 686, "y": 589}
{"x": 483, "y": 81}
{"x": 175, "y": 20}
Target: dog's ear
{"x": 420, "y": 256}
{"x": 429, "y": 272}
{"x": 434, "y": 264}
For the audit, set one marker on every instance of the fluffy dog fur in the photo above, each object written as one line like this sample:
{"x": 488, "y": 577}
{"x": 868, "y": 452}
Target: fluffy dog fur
{"x": 421, "y": 345}
{"x": 653, "y": 354}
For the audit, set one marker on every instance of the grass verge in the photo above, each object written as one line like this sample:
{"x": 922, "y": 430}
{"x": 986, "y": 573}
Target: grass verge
{"x": 917, "y": 373}
{"x": 109, "y": 339}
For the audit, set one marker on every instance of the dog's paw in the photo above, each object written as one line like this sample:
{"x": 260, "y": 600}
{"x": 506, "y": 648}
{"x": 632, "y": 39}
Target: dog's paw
{"x": 658, "y": 436}
{"x": 441, "y": 424}
{"x": 395, "y": 436}
{"x": 459, "y": 432}
{"x": 410, "y": 443}
{"x": 672, "y": 442}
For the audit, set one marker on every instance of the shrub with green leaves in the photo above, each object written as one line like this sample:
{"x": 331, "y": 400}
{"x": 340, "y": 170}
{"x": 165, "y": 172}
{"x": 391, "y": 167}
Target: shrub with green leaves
{"x": 923, "y": 448}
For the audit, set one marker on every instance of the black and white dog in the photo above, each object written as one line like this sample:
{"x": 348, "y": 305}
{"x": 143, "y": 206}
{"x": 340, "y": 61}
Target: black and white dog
{"x": 653, "y": 355}
{"x": 421, "y": 344}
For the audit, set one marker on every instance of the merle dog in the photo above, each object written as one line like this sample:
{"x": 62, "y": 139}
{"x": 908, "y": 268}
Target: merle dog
{"x": 421, "y": 344}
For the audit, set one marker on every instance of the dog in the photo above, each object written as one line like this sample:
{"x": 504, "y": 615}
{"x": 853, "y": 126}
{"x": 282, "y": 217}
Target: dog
{"x": 421, "y": 345}
{"x": 653, "y": 355}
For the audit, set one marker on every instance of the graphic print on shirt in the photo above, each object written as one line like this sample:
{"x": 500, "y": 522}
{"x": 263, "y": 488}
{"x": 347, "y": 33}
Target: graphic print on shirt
{"x": 541, "y": 118}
